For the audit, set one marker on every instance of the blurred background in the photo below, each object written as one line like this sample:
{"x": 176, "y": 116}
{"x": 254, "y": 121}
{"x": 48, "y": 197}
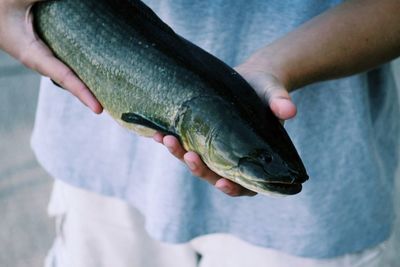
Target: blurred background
{"x": 26, "y": 232}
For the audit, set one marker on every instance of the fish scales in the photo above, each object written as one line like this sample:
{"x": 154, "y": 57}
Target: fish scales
{"x": 148, "y": 78}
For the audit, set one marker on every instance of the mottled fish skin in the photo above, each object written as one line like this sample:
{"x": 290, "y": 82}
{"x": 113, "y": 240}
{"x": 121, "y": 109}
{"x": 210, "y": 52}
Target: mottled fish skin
{"x": 148, "y": 78}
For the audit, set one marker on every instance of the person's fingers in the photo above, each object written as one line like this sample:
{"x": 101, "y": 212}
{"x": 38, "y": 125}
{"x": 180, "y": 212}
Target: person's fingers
{"x": 174, "y": 147}
{"x": 198, "y": 168}
{"x": 158, "y": 137}
{"x": 38, "y": 57}
{"x": 233, "y": 189}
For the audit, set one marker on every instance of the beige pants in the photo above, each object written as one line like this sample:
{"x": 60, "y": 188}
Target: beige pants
{"x": 97, "y": 231}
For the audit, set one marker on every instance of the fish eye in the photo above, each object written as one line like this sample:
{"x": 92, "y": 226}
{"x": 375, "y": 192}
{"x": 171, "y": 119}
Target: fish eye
{"x": 265, "y": 157}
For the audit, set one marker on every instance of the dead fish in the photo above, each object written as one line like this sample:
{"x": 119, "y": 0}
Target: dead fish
{"x": 150, "y": 79}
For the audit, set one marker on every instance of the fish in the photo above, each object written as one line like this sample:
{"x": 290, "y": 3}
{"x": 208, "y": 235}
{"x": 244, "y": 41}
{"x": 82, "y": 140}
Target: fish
{"x": 149, "y": 78}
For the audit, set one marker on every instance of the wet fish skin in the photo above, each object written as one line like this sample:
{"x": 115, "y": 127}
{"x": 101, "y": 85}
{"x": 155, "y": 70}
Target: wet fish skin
{"x": 148, "y": 77}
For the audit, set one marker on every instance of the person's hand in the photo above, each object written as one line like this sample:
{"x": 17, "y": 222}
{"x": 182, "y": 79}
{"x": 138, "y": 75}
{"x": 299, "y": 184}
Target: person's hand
{"x": 17, "y": 37}
{"x": 272, "y": 92}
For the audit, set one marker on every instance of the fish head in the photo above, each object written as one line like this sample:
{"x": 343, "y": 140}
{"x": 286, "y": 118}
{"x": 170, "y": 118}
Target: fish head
{"x": 245, "y": 158}
{"x": 268, "y": 173}
{"x": 236, "y": 150}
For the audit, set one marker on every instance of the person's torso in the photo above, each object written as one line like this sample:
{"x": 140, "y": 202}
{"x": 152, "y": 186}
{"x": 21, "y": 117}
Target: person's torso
{"x": 346, "y": 131}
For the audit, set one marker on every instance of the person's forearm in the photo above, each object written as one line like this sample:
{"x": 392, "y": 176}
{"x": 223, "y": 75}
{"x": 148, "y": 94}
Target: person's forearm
{"x": 350, "y": 38}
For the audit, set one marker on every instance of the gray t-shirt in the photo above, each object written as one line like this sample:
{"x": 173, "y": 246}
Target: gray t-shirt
{"x": 346, "y": 131}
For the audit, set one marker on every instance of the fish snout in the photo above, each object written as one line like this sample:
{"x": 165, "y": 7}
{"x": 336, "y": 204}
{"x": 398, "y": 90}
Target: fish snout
{"x": 268, "y": 168}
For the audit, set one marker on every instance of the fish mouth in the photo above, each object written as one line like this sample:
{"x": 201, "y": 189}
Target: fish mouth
{"x": 282, "y": 189}
{"x": 271, "y": 178}
{"x": 272, "y": 188}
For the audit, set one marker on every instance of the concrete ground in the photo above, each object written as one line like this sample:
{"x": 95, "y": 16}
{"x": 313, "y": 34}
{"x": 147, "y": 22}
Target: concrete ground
{"x": 25, "y": 230}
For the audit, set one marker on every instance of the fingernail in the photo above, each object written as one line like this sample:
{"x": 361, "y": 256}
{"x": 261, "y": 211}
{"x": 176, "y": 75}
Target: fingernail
{"x": 157, "y": 138}
{"x": 279, "y": 113}
{"x": 169, "y": 148}
{"x": 191, "y": 165}
{"x": 225, "y": 189}
{"x": 92, "y": 104}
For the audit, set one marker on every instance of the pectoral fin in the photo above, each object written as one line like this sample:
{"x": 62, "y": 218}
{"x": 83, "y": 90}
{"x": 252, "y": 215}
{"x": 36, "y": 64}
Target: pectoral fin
{"x": 133, "y": 118}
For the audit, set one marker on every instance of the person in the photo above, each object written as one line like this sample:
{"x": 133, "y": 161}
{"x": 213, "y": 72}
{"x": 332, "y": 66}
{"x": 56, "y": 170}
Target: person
{"x": 111, "y": 185}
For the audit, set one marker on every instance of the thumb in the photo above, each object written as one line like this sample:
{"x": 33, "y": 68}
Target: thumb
{"x": 273, "y": 93}
{"x": 280, "y": 103}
